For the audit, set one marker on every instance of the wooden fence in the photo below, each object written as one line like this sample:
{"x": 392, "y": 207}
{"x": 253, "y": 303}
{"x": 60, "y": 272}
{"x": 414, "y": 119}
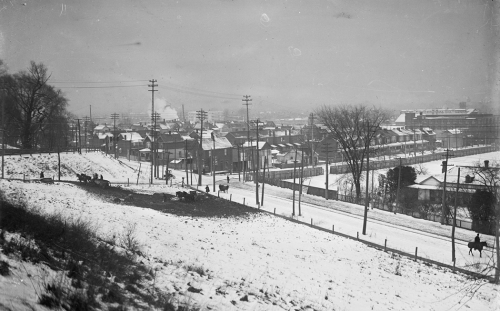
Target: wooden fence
{"x": 381, "y": 164}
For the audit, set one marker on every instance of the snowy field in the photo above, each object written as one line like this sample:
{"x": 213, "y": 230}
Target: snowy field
{"x": 256, "y": 262}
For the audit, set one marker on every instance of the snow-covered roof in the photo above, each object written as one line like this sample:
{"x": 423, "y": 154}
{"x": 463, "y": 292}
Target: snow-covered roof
{"x": 132, "y": 136}
{"x": 220, "y": 143}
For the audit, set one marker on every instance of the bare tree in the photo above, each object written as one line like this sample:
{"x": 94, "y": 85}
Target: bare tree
{"x": 33, "y": 100}
{"x": 354, "y": 127}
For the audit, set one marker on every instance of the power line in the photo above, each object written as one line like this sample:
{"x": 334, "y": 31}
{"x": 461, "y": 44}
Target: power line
{"x": 99, "y": 87}
{"x": 99, "y": 81}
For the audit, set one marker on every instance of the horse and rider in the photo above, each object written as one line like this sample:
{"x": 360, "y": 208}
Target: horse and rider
{"x": 477, "y": 245}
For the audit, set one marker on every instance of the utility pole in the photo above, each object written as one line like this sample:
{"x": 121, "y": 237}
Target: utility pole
{"x": 201, "y": 115}
{"x": 114, "y": 116}
{"x": 247, "y": 100}
{"x": 294, "y": 167}
{"x": 263, "y": 180}
{"x": 156, "y": 116}
{"x": 326, "y": 148}
{"x": 367, "y": 199}
{"x": 78, "y": 137}
{"x": 301, "y": 182}
{"x": 257, "y": 160}
{"x": 399, "y": 184}
{"x": 86, "y": 120}
{"x": 311, "y": 128}
{"x": 3, "y": 136}
{"x": 454, "y": 221}
{"x": 444, "y": 208}
{"x": 213, "y": 162}
{"x": 152, "y": 90}
{"x": 185, "y": 160}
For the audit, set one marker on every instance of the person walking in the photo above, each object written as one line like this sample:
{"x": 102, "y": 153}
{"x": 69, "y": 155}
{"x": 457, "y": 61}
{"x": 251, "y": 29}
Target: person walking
{"x": 207, "y": 189}
{"x": 41, "y": 175}
{"x": 228, "y": 179}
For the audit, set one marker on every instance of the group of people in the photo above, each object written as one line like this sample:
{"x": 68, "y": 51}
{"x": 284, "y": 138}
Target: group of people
{"x": 96, "y": 176}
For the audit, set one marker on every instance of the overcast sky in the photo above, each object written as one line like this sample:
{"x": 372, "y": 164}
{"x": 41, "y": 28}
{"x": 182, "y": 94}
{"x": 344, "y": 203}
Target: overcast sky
{"x": 301, "y": 54}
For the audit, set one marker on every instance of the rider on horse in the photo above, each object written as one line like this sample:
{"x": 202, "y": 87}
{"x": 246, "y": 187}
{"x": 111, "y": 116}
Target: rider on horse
{"x": 477, "y": 239}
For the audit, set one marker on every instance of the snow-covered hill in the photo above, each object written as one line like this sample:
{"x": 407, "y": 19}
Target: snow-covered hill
{"x": 257, "y": 262}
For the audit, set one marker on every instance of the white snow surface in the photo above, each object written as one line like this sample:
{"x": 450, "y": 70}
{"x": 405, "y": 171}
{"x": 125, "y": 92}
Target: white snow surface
{"x": 276, "y": 264}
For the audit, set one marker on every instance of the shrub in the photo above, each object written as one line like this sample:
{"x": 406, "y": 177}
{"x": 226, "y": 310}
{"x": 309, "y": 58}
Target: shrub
{"x": 197, "y": 269}
{"x": 4, "y": 268}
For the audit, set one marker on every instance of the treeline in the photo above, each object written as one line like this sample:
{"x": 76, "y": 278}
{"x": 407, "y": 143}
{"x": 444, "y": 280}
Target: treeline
{"x": 34, "y": 112}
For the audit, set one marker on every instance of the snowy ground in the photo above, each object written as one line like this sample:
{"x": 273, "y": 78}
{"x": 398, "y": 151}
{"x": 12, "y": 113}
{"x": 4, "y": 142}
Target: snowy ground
{"x": 258, "y": 262}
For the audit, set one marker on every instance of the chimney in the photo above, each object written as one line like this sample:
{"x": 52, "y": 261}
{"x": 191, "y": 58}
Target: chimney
{"x": 486, "y": 163}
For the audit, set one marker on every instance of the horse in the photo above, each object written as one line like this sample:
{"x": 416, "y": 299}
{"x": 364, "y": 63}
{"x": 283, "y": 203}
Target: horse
{"x": 477, "y": 246}
{"x": 223, "y": 188}
{"x": 83, "y": 178}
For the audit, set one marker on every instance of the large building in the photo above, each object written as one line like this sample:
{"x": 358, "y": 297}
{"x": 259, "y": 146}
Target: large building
{"x": 478, "y": 128}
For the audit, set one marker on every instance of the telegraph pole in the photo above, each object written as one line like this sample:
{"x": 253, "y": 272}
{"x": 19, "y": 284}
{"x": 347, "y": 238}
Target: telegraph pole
{"x": 326, "y": 148}
{"x": 257, "y": 160}
{"x": 301, "y": 182}
{"x": 201, "y": 115}
{"x": 311, "y": 143}
{"x": 454, "y": 221}
{"x": 114, "y": 116}
{"x": 444, "y": 208}
{"x": 185, "y": 162}
{"x": 367, "y": 199}
{"x": 213, "y": 162}
{"x": 3, "y": 136}
{"x": 399, "y": 184}
{"x": 294, "y": 167}
{"x": 247, "y": 100}
{"x": 152, "y": 90}
{"x": 78, "y": 137}
{"x": 86, "y": 121}
{"x": 156, "y": 116}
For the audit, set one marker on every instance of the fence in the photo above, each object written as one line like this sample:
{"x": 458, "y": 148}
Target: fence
{"x": 287, "y": 174}
{"x": 379, "y": 204}
{"x": 381, "y": 164}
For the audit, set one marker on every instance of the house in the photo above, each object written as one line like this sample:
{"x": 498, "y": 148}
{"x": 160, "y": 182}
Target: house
{"x": 453, "y": 138}
{"x": 264, "y": 154}
{"x": 215, "y": 153}
{"x": 129, "y": 144}
{"x": 429, "y": 189}
{"x": 101, "y": 129}
{"x": 103, "y": 142}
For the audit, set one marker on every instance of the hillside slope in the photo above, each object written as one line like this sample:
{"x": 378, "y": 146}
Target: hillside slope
{"x": 250, "y": 262}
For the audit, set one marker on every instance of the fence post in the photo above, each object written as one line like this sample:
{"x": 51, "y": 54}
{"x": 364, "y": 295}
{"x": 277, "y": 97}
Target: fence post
{"x": 128, "y": 181}
{"x": 24, "y": 177}
{"x": 357, "y": 235}
{"x": 416, "y": 250}
{"x": 243, "y": 201}
{"x": 385, "y": 245}
{"x": 230, "y": 197}
{"x": 275, "y": 211}
{"x": 333, "y": 228}
{"x": 311, "y": 222}
{"x": 218, "y": 194}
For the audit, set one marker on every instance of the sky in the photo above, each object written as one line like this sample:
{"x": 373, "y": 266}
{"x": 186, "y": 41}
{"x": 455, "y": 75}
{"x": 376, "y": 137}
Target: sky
{"x": 287, "y": 55}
